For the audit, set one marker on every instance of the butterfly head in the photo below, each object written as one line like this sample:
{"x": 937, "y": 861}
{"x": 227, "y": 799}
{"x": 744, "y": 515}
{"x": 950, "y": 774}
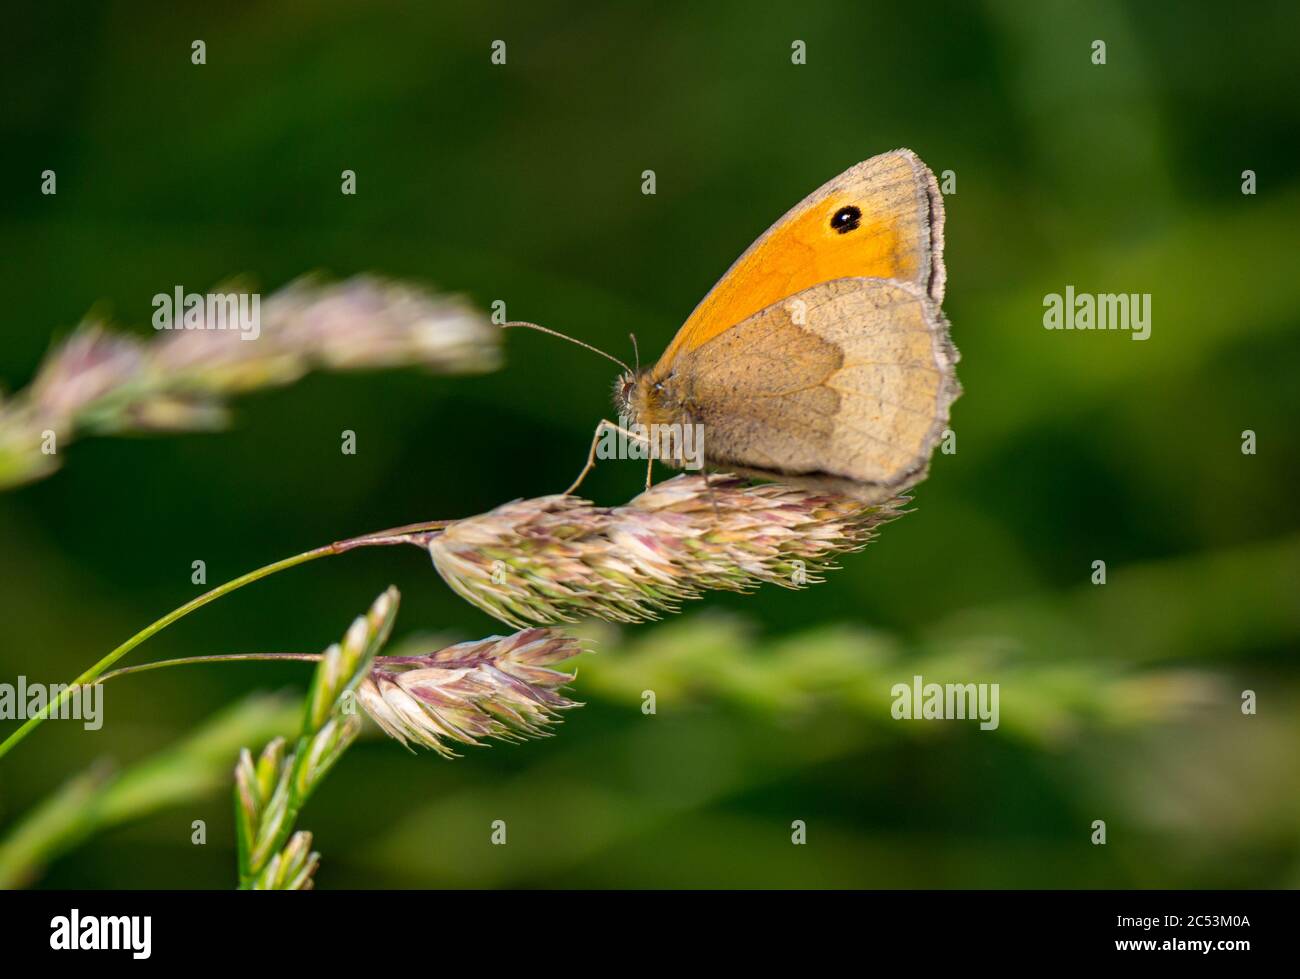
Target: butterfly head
{"x": 629, "y": 395}
{"x": 646, "y": 397}
{"x": 637, "y": 397}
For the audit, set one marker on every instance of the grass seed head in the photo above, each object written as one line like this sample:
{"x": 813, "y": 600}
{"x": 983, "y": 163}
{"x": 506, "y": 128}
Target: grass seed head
{"x": 559, "y": 558}
{"x": 501, "y": 687}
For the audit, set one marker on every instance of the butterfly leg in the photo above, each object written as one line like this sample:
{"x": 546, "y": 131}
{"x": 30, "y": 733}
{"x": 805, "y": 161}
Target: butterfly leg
{"x": 604, "y": 426}
{"x": 708, "y": 489}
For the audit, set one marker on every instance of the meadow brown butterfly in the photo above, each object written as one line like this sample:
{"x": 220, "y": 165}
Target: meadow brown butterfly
{"x": 821, "y": 358}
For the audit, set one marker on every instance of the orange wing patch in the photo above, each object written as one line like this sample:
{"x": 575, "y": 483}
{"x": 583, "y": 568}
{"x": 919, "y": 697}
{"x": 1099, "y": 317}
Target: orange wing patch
{"x": 880, "y": 219}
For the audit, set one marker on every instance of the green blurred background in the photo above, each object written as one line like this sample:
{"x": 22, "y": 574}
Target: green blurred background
{"x": 1119, "y": 702}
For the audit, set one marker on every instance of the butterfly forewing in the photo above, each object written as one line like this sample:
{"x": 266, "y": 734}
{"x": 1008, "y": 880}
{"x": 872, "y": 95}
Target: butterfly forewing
{"x": 880, "y": 219}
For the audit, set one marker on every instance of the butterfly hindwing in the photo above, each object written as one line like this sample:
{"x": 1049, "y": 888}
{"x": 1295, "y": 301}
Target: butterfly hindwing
{"x": 846, "y": 384}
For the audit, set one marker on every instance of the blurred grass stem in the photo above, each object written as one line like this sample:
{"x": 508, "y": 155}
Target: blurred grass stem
{"x": 416, "y": 534}
{"x": 215, "y": 658}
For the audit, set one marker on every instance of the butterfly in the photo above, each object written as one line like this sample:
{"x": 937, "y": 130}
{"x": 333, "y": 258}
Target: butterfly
{"x": 821, "y": 358}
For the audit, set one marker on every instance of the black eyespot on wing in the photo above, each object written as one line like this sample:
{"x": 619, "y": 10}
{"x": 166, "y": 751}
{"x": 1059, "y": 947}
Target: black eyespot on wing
{"x": 846, "y": 219}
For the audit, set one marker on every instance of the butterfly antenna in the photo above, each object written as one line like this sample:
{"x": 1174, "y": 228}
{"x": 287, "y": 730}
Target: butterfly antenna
{"x": 557, "y": 333}
{"x": 636, "y": 352}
